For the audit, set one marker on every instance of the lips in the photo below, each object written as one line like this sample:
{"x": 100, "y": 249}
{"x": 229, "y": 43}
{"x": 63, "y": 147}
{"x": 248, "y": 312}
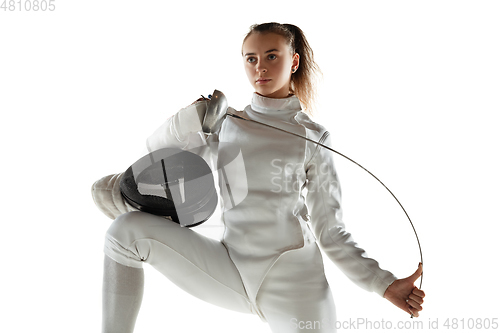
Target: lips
{"x": 262, "y": 80}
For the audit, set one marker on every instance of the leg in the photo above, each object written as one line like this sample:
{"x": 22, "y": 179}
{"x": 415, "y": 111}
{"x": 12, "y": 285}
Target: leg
{"x": 122, "y": 292}
{"x": 295, "y": 296}
{"x": 199, "y": 265}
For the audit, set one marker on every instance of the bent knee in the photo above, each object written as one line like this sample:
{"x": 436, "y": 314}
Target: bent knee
{"x": 126, "y": 226}
{"x": 136, "y": 224}
{"x": 121, "y": 235}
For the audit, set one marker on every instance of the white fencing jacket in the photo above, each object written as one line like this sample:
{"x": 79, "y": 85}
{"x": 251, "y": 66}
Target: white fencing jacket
{"x": 274, "y": 187}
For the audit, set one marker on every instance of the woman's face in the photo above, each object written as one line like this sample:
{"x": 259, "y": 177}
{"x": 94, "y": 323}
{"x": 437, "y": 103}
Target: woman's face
{"x": 268, "y": 63}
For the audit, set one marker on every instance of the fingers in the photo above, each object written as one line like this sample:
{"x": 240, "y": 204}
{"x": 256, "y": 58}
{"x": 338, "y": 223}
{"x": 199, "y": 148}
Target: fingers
{"x": 417, "y": 273}
{"x": 405, "y": 295}
{"x": 414, "y": 304}
{"x": 411, "y": 310}
{"x": 418, "y": 293}
{"x": 415, "y": 300}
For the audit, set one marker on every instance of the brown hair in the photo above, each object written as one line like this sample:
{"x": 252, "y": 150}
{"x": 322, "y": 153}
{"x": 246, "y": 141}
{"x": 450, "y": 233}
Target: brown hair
{"x": 303, "y": 81}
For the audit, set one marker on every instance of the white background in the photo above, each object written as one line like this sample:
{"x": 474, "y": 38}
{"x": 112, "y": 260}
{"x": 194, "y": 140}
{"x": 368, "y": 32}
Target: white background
{"x": 410, "y": 91}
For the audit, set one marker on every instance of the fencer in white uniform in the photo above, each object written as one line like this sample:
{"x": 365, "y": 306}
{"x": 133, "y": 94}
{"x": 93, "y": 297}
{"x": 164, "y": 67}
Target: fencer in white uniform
{"x": 280, "y": 202}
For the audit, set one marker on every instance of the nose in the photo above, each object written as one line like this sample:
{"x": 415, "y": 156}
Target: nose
{"x": 260, "y": 68}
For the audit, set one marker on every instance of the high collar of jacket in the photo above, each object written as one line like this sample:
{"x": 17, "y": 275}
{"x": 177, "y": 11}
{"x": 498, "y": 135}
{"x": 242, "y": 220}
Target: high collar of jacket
{"x": 275, "y": 106}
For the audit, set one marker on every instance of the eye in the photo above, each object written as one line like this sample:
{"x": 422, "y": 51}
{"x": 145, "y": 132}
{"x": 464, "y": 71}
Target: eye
{"x": 271, "y": 57}
{"x": 250, "y": 59}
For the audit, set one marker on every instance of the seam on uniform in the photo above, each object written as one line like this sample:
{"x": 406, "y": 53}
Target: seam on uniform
{"x": 321, "y": 140}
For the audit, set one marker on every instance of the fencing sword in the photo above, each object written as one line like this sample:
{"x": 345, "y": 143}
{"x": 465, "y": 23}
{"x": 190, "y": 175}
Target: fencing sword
{"x": 217, "y": 110}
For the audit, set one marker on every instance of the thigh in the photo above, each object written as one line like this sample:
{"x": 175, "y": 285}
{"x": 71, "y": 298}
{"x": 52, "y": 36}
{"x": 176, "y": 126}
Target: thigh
{"x": 295, "y": 295}
{"x": 199, "y": 265}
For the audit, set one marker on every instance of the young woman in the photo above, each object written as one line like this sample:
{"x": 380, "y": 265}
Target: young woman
{"x": 268, "y": 261}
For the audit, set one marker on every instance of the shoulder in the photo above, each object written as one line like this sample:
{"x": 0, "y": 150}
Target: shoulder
{"x": 313, "y": 128}
{"x": 317, "y": 133}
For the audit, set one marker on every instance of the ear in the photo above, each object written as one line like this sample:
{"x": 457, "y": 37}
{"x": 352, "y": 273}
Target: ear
{"x": 295, "y": 60}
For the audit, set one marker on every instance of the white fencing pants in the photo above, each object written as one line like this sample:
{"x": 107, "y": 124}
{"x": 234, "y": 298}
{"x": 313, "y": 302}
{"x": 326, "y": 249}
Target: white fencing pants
{"x": 294, "y": 296}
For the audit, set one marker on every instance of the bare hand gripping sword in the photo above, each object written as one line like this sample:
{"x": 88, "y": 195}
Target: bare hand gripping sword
{"x": 217, "y": 110}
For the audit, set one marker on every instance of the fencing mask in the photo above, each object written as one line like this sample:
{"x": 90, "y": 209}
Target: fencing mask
{"x": 172, "y": 183}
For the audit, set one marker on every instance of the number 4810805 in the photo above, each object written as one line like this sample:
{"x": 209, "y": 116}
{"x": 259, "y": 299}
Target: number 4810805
{"x": 28, "y": 5}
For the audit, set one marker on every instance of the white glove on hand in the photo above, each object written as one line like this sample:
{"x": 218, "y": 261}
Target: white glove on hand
{"x": 108, "y": 198}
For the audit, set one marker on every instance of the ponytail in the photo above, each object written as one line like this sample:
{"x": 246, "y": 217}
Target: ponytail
{"x": 303, "y": 81}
